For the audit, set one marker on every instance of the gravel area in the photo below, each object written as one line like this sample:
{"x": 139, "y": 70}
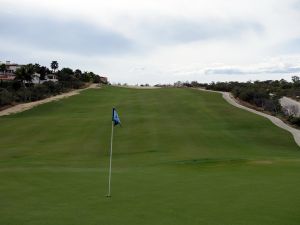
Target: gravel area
{"x": 291, "y": 105}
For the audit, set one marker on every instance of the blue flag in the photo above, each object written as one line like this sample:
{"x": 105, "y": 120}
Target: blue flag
{"x": 115, "y": 117}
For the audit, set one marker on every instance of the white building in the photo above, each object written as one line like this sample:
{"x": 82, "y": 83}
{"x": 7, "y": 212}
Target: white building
{"x": 10, "y": 68}
{"x": 50, "y": 77}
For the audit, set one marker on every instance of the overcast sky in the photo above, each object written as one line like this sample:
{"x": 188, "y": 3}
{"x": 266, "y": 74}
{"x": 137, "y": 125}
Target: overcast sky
{"x": 156, "y": 41}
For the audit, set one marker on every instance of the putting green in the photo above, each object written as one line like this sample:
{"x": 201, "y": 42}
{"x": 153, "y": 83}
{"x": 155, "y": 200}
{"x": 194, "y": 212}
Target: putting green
{"x": 181, "y": 157}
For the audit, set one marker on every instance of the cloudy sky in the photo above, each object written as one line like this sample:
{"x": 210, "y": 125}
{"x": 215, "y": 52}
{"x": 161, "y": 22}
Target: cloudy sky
{"x": 156, "y": 41}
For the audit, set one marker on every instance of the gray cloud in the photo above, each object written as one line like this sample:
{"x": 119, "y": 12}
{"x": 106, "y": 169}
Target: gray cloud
{"x": 66, "y": 36}
{"x": 76, "y": 36}
{"x": 174, "y": 30}
{"x": 224, "y": 71}
{"x": 238, "y": 71}
{"x": 284, "y": 70}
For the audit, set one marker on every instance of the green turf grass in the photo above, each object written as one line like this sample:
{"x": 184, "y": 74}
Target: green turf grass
{"x": 182, "y": 157}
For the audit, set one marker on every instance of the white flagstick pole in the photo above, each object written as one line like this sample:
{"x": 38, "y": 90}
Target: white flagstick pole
{"x": 111, "y": 144}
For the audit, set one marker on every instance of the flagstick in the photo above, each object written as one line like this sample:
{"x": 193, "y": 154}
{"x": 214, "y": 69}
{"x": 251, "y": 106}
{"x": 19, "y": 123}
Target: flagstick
{"x": 111, "y": 143}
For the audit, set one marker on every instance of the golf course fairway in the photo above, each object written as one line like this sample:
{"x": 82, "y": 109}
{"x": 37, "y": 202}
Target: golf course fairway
{"x": 181, "y": 157}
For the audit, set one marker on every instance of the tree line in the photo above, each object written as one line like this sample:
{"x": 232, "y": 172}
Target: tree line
{"x": 22, "y": 88}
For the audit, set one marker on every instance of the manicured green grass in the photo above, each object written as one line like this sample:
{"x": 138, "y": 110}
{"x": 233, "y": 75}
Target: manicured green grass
{"x": 181, "y": 157}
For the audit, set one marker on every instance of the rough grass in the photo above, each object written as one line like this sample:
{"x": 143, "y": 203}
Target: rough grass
{"x": 182, "y": 157}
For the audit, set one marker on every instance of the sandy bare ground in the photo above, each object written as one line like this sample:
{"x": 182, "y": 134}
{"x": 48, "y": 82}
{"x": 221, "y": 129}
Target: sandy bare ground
{"x": 288, "y": 103}
{"x": 25, "y": 106}
{"x": 231, "y": 100}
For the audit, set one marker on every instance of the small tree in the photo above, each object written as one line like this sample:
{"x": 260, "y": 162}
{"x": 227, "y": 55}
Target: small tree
{"x": 3, "y": 68}
{"x": 295, "y": 79}
{"x": 25, "y": 74}
{"x": 78, "y": 73}
{"x": 43, "y": 71}
{"x": 54, "y": 66}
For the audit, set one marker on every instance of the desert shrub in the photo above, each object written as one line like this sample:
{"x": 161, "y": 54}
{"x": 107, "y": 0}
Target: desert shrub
{"x": 76, "y": 84}
{"x": 247, "y": 95}
{"x": 272, "y": 105}
{"x": 39, "y": 91}
{"x": 294, "y": 120}
{"x": 6, "y": 97}
{"x": 23, "y": 95}
{"x": 53, "y": 88}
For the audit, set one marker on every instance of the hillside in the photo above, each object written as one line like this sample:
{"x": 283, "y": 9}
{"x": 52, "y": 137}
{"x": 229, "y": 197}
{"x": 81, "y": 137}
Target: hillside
{"x": 182, "y": 156}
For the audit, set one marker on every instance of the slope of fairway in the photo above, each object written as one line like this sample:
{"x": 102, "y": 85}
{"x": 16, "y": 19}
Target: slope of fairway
{"x": 181, "y": 157}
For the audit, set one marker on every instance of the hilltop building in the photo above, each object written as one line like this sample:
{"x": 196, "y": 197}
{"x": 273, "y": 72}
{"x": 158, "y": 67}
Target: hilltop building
{"x": 37, "y": 78}
{"x": 9, "y": 73}
{"x": 10, "y": 67}
{"x": 103, "y": 80}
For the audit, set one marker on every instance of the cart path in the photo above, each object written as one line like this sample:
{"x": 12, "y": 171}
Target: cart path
{"x": 231, "y": 100}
